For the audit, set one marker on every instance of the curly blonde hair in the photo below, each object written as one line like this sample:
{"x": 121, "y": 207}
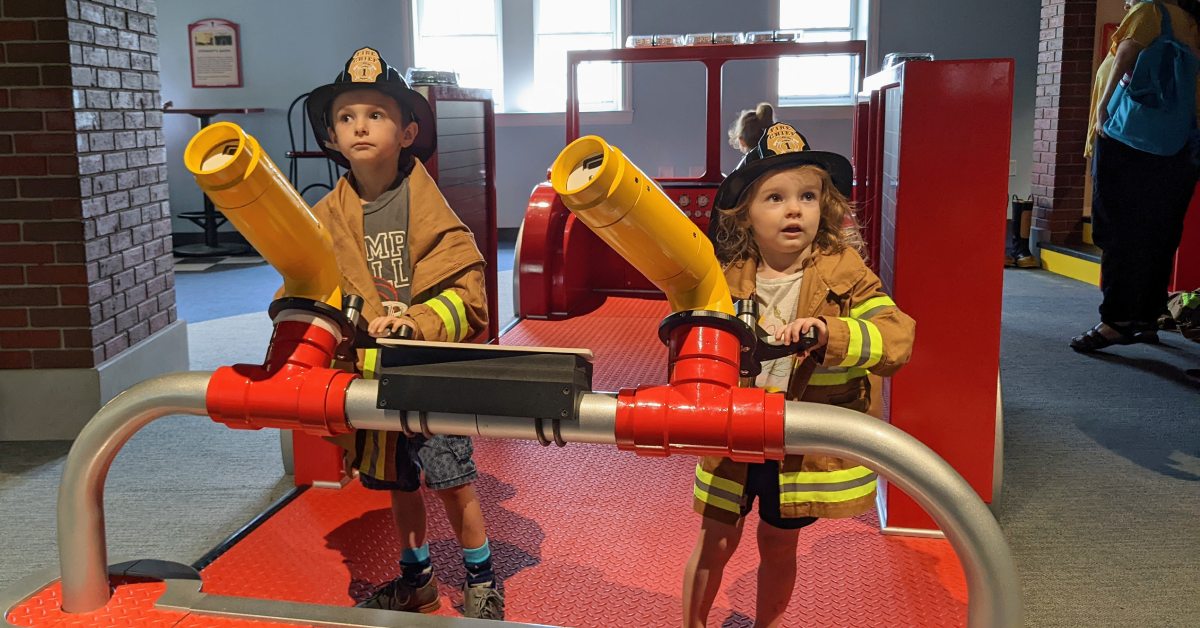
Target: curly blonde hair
{"x": 838, "y": 229}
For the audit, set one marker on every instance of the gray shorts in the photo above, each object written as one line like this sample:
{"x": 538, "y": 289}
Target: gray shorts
{"x": 390, "y": 461}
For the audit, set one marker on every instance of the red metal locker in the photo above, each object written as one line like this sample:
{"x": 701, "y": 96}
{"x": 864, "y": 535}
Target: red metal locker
{"x": 938, "y": 184}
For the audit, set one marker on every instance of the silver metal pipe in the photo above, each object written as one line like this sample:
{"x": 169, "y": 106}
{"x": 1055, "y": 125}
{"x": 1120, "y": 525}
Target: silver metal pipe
{"x": 597, "y": 420}
{"x": 994, "y": 593}
{"x": 82, "y": 551}
{"x": 596, "y": 424}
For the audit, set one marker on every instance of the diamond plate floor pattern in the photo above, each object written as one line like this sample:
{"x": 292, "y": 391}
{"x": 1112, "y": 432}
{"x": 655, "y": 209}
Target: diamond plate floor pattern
{"x": 590, "y": 536}
{"x": 582, "y": 536}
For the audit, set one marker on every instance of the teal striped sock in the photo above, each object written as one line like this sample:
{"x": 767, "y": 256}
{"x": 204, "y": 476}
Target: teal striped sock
{"x": 415, "y": 566}
{"x": 479, "y": 564}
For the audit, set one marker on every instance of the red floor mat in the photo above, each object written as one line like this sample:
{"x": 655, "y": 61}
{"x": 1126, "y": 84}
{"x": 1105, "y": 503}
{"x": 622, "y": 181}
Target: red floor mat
{"x": 590, "y": 536}
{"x": 132, "y": 604}
{"x": 582, "y": 536}
{"x": 622, "y": 333}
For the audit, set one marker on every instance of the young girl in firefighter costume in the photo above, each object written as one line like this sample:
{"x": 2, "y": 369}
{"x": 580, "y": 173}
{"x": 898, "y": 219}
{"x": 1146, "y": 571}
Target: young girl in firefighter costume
{"x": 782, "y": 238}
{"x": 400, "y": 246}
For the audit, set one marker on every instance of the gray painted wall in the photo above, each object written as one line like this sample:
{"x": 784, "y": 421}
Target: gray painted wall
{"x": 974, "y": 29}
{"x": 286, "y": 55}
{"x": 288, "y": 48}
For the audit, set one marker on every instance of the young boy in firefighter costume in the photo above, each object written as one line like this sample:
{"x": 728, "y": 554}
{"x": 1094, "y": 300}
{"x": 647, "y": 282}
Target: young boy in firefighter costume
{"x": 400, "y": 246}
{"x": 783, "y": 239}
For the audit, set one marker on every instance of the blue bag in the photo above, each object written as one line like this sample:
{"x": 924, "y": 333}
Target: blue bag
{"x": 1154, "y": 108}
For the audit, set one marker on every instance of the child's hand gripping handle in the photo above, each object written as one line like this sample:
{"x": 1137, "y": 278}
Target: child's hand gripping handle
{"x": 764, "y": 351}
{"x": 760, "y": 349}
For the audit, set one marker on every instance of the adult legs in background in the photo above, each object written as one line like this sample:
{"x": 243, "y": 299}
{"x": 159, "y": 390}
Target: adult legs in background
{"x": 1137, "y": 218}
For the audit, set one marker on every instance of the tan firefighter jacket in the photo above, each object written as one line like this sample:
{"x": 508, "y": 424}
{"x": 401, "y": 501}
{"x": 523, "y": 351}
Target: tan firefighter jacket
{"x": 867, "y": 334}
{"x": 449, "y": 300}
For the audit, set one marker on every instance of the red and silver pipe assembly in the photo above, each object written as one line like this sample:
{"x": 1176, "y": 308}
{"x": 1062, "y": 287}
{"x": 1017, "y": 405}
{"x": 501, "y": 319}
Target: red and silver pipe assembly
{"x": 806, "y": 428}
{"x": 701, "y": 411}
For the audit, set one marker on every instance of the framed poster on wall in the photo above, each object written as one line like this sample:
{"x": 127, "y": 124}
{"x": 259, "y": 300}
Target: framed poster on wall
{"x": 216, "y": 53}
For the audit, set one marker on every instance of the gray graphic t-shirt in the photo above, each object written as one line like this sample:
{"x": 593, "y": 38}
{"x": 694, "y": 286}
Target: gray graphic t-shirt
{"x": 385, "y": 236}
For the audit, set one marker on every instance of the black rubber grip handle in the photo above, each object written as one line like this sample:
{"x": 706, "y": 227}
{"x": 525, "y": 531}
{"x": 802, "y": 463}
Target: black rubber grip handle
{"x": 764, "y": 351}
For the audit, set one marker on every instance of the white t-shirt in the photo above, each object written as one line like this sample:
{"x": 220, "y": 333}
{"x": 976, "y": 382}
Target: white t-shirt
{"x": 776, "y": 300}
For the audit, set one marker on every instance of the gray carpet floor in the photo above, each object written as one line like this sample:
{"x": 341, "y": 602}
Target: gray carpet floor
{"x": 1101, "y": 498}
{"x": 178, "y": 488}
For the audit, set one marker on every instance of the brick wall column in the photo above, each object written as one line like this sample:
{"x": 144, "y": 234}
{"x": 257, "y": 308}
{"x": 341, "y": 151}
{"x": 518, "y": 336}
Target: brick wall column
{"x": 1061, "y": 117}
{"x": 44, "y": 318}
{"x": 86, "y": 273}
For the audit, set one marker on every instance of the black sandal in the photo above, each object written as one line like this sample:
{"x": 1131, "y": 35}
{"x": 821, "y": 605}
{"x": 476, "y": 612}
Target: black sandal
{"x": 1148, "y": 336}
{"x": 1143, "y": 332}
{"x": 1094, "y": 340}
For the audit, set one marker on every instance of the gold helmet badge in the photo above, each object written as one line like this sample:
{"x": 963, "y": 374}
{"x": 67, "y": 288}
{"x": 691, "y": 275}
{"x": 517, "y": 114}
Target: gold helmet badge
{"x": 365, "y": 66}
{"x": 782, "y": 138}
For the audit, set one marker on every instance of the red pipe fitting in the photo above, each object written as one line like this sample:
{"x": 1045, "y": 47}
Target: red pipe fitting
{"x": 702, "y": 411}
{"x": 293, "y": 389}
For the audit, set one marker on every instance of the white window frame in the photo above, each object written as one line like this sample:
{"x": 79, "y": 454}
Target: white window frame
{"x": 417, "y": 39}
{"x": 517, "y": 73}
{"x": 863, "y": 20}
{"x": 617, "y": 11}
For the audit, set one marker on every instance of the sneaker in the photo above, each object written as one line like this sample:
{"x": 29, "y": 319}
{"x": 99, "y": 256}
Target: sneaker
{"x": 398, "y": 595}
{"x": 483, "y": 601}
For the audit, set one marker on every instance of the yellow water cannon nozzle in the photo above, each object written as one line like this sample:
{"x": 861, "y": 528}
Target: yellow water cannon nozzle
{"x": 628, "y": 210}
{"x": 248, "y": 188}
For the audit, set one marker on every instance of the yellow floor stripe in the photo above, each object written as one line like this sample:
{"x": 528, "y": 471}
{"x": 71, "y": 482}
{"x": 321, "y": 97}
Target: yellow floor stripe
{"x": 1073, "y": 267}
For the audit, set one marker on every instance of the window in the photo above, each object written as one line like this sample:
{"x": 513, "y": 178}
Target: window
{"x": 814, "y": 80}
{"x": 461, "y": 36}
{"x": 577, "y": 25}
{"x": 526, "y": 69}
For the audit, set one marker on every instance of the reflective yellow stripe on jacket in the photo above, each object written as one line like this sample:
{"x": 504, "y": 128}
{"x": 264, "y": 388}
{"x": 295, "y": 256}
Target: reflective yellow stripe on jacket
{"x": 825, "y": 486}
{"x": 871, "y": 307}
{"x": 834, "y": 376}
{"x": 718, "y": 492}
{"x": 865, "y": 348}
{"x": 453, "y": 312}
{"x": 370, "y": 363}
{"x": 373, "y": 456}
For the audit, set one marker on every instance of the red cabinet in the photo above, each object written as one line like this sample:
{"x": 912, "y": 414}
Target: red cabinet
{"x": 464, "y": 167}
{"x": 1187, "y": 260}
{"x": 932, "y": 169}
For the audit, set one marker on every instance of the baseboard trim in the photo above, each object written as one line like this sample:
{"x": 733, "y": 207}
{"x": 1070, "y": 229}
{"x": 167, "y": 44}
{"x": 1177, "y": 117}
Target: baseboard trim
{"x": 55, "y": 404}
{"x": 1071, "y": 266}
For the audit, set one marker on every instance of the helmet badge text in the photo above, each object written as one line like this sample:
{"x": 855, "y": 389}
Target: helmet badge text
{"x": 365, "y": 66}
{"x": 782, "y": 138}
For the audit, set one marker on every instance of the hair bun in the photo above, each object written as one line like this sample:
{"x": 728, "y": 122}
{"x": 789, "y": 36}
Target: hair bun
{"x": 765, "y": 114}
{"x": 750, "y": 125}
